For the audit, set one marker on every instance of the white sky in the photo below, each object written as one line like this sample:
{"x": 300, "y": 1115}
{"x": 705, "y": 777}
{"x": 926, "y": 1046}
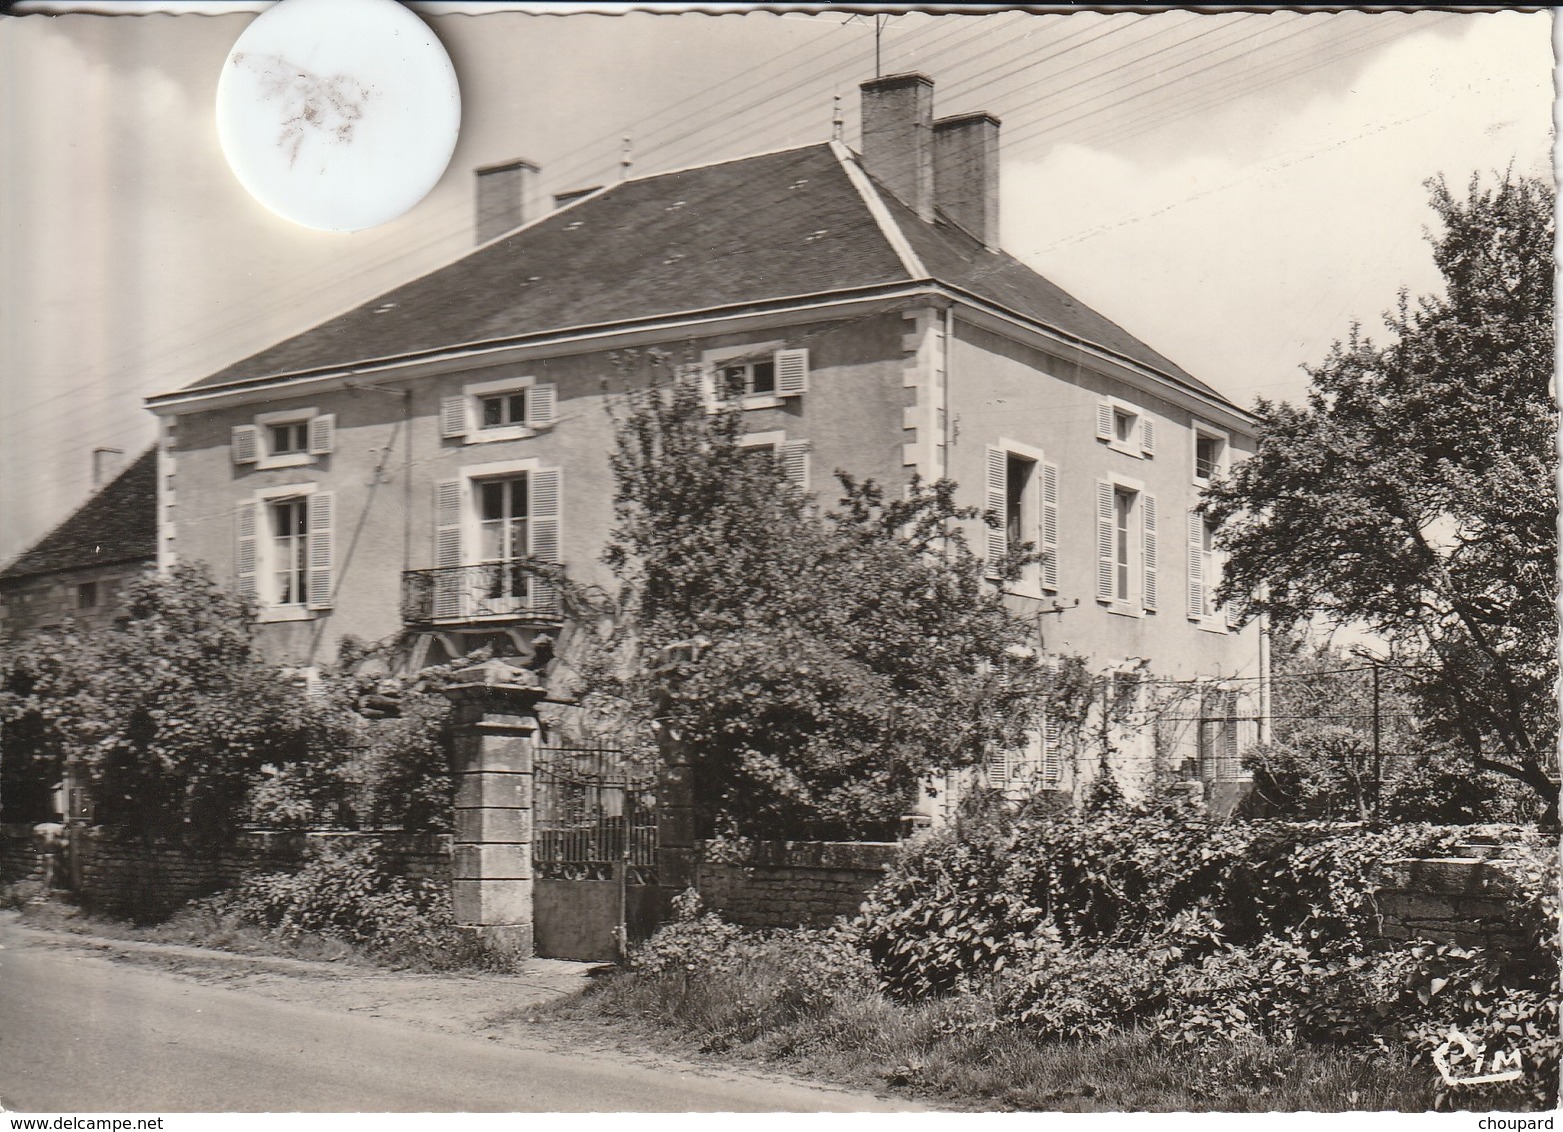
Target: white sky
{"x": 1235, "y": 189}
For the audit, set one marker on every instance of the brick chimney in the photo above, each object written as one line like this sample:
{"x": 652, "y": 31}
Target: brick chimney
{"x": 106, "y": 464}
{"x": 504, "y": 197}
{"x": 898, "y": 137}
{"x": 966, "y": 173}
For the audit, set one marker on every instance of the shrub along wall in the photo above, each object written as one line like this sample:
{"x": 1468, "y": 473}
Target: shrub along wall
{"x": 783, "y": 884}
{"x": 130, "y": 879}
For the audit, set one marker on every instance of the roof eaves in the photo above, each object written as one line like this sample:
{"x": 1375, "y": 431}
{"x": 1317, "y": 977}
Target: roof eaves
{"x": 673, "y": 318}
{"x": 1062, "y": 335}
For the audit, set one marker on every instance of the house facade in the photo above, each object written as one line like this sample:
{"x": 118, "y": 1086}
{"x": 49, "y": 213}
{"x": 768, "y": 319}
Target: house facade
{"x": 79, "y": 571}
{"x": 385, "y": 474}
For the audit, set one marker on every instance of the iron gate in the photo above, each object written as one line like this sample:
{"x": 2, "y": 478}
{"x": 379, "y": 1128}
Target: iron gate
{"x": 594, "y": 851}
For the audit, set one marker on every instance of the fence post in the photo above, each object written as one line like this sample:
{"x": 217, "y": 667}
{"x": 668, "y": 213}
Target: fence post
{"x": 494, "y": 734}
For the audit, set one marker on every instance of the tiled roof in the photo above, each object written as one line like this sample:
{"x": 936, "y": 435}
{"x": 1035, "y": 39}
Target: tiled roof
{"x": 952, "y": 256}
{"x": 759, "y": 228}
{"x": 118, "y": 524}
{"x": 756, "y": 229}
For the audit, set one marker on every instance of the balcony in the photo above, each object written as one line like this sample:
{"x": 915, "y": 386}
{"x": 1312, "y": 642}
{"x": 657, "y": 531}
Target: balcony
{"x": 498, "y": 592}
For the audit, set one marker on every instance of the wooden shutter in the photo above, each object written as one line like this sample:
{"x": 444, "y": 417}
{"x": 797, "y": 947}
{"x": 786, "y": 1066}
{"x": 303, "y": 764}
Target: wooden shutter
{"x": 795, "y": 463}
{"x": 1104, "y": 420}
{"x": 322, "y": 434}
{"x": 244, "y": 565}
{"x": 541, "y": 402}
{"x": 1229, "y": 737}
{"x": 321, "y": 550}
{"x": 792, "y": 372}
{"x": 1196, "y": 565}
{"x": 1052, "y": 755}
{"x": 1104, "y": 540}
{"x": 245, "y": 444}
{"x": 1050, "y": 526}
{"x": 1149, "y": 549}
{"x": 543, "y": 525}
{"x": 448, "y": 588}
{"x": 997, "y": 502}
{"x": 453, "y": 415}
{"x": 997, "y": 768}
{"x": 694, "y": 371}
{"x": 1147, "y": 436}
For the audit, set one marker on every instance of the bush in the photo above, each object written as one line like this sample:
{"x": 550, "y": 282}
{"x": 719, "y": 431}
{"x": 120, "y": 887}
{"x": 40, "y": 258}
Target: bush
{"x": 350, "y": 893}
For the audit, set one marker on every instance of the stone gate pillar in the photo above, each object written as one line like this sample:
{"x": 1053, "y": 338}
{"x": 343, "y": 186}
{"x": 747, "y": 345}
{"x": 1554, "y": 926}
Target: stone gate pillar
{"x": 494, "y": 734}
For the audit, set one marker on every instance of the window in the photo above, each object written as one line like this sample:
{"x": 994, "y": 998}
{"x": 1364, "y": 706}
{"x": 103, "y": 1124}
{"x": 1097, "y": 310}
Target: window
{"x": 289, "y": 552}
{"x": 1022, "y": 496}
{"x": 490, "y": 526}
{"x": 793, "y": 454}
{"x": 1219, "y": 736}
{"x": 1210, "y": 453}
{"x": 504, "y": 409}
{"x": 287, "y": 438}
{"x": 1124, "y": 428}
{"x": 502, "y": 534}
{"x": 1126, "y": 547}
{"x": 1018, "y": 472}
{"x": 757, "y": 375}
{"x": 745, "y": 379}
{"x": 86, "y": 595}
{"x": 283, "y": 558}
{"x": 1123, "y": 503}
{"x": 1204, "y": 573}
{"x": 507, "y": 409}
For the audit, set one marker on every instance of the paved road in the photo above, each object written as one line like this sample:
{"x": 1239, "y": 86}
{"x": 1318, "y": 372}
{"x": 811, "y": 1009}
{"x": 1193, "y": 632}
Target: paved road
{"x": 84, "y": 1034}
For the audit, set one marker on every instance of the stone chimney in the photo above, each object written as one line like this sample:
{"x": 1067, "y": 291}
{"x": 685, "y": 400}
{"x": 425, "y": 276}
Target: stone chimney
{"x": 898, "y": 137}
{"x": 966, "y": 173}
{"x": 106, "y": 464}
{"x": 504, "y": 197}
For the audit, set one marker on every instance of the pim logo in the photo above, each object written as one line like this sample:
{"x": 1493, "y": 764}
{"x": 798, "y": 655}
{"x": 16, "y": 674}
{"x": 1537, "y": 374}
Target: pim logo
{"x": 1505, "y": 1066}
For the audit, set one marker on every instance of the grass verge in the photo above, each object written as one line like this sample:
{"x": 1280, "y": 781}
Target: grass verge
{"x": 951, "y": 1051}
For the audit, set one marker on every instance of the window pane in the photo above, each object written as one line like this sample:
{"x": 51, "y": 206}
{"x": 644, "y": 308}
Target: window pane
{"x": 517, "y": 403}
{"x": 1123, "y": 425}
{"x": 764, "y": 377}
{"x": 734, "y": 379}
{"x": 491, "y": 499}
{"x": 493, "y": 411}
{"x": 1121, "y": 504}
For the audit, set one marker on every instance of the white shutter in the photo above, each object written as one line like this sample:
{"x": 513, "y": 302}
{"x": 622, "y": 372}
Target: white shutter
{"x": 321, "y": 580}
{"x": 997, "y": 768}
{"x": 322, "y": 434}
{"x": 543, "y": 525}
{"x": 795, "y": 463}
{"x": 1147, "y": 436}
{"x": 1229, "y": 767}
{"x": 1196, "y": 565}
{"x": 1052, "y": 754}
{"x": 448, "y": 587}
{"x": 792, "y": 372}
{"x": 997, "y": 502}
{"x": 1104, "y": 540}
{"x": 453, "y": 415}
{"x": 245, "y": 444}
{"x": 1104, "y": 420}
{"x": 1150, "y": 549}
{"x": 541, "y": 401}
{"x": 1050, "y": 526}
{"x": 244, "y": 564}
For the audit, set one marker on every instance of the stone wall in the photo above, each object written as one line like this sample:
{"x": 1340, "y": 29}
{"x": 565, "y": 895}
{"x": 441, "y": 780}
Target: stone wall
{"x": 130, "y": 880}
{"x": 1468, "y": 900}
{"x": 790, "y": 883}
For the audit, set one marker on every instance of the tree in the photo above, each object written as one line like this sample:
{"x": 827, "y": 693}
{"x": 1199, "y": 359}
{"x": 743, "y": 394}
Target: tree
{"x": 817, "y": 666}
{"x": 1415, "y": 493}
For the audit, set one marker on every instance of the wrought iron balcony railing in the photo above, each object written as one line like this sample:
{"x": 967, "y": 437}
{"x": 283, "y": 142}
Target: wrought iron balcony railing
{"x": 492, "y": 591}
